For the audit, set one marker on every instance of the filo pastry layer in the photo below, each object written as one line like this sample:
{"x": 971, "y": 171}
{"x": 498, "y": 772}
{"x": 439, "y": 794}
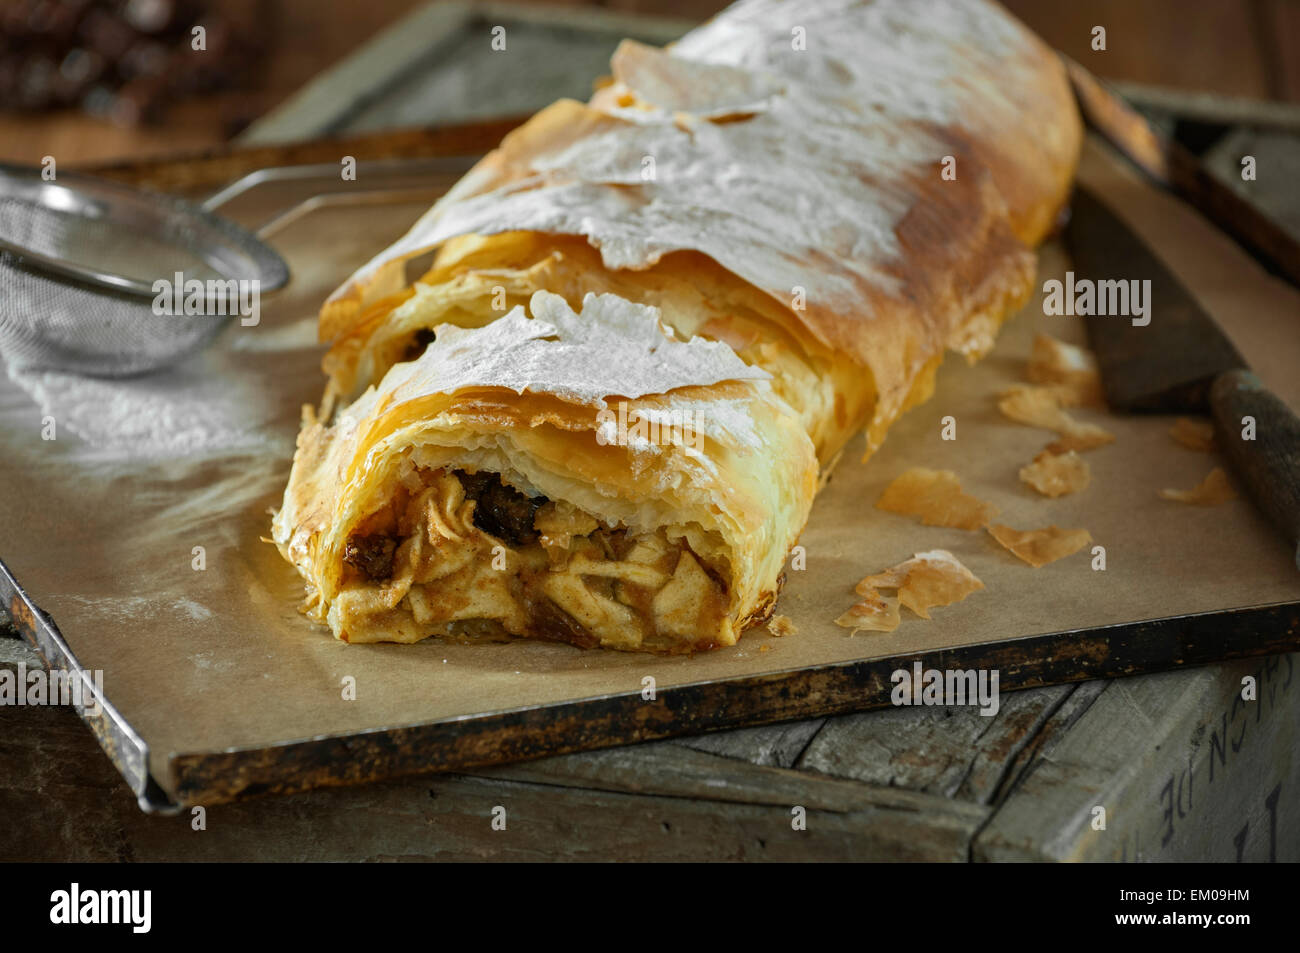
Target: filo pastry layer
{"x": 839, "y": 192}
{"x": 492, "y": 487}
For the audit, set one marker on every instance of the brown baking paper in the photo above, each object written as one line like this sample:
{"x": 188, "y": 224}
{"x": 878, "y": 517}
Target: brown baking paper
{"x": 103, "y": 536}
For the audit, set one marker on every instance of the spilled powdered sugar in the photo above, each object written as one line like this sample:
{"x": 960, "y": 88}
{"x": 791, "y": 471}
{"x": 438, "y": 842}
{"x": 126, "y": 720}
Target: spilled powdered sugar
{"x": 204, "y": 405}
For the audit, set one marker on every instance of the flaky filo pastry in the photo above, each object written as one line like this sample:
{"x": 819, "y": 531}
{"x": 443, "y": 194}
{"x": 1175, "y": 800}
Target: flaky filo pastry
{"x": 492, "y": 487}
{"x": 833, "y": 193}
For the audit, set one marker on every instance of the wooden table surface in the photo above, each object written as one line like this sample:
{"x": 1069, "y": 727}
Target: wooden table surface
{"x": 1182, "y": 768}
{"x": 1179, "y": 764}
{"x": 1241, "y": 48}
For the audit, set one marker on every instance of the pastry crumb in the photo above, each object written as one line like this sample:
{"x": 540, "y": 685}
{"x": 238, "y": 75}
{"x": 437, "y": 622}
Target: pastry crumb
{"x": 1057, "y": 474}
{"x": 1038, "y": 547}
{"x": 781, "y": 626}
{"x": 1041, "y": 407}
{"x": 873, "y": 613}
{"x": 925, "y": 581}
{"x": 1193, "y": 434}
{"x": 1070, "y": 370}
{"x": 1211, "y": 491}
{"x": 936, "y": 498}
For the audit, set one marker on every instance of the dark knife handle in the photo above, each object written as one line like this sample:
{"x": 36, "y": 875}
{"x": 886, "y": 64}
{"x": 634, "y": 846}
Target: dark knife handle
{"x": 1269, "y": 465}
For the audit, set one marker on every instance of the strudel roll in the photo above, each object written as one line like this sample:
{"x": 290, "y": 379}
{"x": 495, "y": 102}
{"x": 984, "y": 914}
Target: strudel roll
{"x": 653, "y": 320}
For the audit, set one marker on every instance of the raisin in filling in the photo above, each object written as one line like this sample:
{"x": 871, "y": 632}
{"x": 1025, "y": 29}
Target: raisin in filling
{"x": 500, "y": 510}
{"x": 573, "y": 579}
{"x": 419, "y": 341}
{"x": 372, "y": 555}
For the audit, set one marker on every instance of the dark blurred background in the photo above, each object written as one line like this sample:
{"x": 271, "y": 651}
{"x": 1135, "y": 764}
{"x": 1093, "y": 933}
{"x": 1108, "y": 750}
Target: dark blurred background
{"x": 93, "y": 80}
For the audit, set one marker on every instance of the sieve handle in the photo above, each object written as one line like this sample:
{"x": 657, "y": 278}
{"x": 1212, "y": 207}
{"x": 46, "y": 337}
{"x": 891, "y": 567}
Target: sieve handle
{"x": 328, "y": 172}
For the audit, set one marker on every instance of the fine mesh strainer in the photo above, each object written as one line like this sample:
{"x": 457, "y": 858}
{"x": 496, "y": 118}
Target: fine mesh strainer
{"x": 79, "y": 257}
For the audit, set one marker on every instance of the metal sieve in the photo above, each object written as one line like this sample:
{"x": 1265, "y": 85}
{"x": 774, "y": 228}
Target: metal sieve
{"x": 79, "y": 258}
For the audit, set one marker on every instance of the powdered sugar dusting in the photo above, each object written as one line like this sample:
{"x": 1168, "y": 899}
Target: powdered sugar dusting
{"x": 203, "y": 406}
{"x": 839, "y": 101}
{"x": 613, "y": 348}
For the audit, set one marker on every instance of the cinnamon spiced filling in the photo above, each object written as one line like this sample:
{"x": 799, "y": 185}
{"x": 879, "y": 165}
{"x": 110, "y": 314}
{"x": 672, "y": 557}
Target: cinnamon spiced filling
{"x": 464, "y": 554}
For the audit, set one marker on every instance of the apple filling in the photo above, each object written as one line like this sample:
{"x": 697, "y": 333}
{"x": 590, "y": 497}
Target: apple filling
{"x": 464, "y": 555}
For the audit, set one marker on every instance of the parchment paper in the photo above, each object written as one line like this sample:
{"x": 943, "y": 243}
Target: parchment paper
{"x": 103, "y": 536}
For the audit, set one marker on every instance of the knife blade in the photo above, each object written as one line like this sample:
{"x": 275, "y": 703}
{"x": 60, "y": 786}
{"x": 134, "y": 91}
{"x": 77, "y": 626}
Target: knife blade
{"x": 1161, "y": 362}
{"x": 1160, "y": 351}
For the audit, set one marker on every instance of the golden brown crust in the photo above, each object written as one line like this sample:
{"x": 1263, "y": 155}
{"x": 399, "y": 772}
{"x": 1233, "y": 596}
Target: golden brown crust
{"x": 954, "y": 172}
{"x": 962, "y": 245}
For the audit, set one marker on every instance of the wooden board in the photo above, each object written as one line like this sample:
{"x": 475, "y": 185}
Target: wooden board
{"x": 1033, "y": 776}
{"x": 301, "y": 737}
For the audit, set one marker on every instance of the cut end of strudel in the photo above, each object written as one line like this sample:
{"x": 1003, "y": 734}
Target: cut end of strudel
{"x": 654, "y": 319}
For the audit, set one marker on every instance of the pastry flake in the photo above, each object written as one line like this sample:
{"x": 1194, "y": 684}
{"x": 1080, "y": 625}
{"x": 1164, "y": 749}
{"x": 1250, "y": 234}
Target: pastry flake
{"x": 1212, "y": 491}
{"x": 780, "y": 626}
{"x": 1193, "y": 434}
{"x": 1038, "y": 547}
{"x": 1039, "y": 406}
{"x": 1057, "y": 474}
{"x": 1070, "y": 371}
{"x": 872, "y": 613}
{"x": 926, "y": 581}
{"x": 936, "y": 498}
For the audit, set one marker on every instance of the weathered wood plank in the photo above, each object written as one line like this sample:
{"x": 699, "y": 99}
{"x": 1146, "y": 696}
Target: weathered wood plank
{"x": 48, "y": 759}
{"x": 1018, "y": 725}
{"x": 1182, "y": 764}
{"x": 449, "y": 818}
{"x": 950, "y": 752}
{"x": 74, "y": 806}
{"x": 669, "y": 770}
{"x": 1050, "y": 734}
{"x": 776, "y": 745}
{"x": 902, "y": 824}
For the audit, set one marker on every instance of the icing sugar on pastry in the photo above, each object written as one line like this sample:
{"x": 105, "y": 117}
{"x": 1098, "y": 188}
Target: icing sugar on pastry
{"x": 613, "y": 348}
{"x": 798, "y": 146}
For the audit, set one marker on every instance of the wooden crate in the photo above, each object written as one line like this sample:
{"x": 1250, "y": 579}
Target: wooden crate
{"x": 1183, "y": 766}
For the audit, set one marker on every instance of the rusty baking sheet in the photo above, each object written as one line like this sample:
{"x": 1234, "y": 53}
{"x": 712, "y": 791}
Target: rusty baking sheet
{"x": 215, "y": 688}
{"x": 1171, "y": 165}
